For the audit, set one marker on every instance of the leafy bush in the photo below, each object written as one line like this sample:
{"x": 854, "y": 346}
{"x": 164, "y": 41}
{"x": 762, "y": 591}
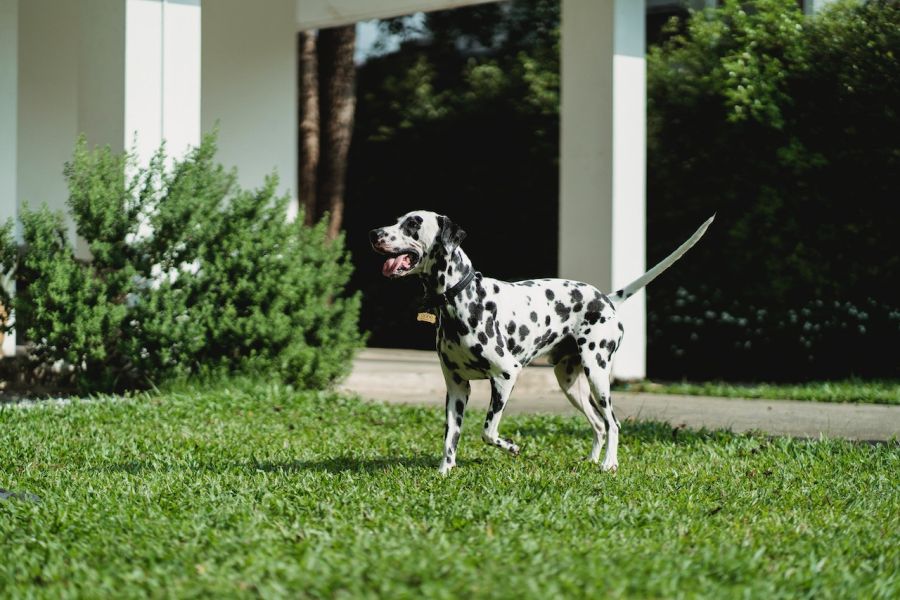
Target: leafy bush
{"x": 188, "y": 274}
{"x": 788, "y": 126}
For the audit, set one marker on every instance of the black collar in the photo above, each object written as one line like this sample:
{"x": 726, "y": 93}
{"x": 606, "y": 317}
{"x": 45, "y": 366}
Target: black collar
{"x": 439, "y": 300}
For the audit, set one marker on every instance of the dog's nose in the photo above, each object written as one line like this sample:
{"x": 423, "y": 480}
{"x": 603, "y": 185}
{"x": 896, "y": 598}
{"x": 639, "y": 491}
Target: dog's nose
{"x": 374, "y": 235}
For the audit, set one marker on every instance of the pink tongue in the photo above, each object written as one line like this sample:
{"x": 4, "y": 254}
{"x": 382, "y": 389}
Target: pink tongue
{"x": 393, "y": 264}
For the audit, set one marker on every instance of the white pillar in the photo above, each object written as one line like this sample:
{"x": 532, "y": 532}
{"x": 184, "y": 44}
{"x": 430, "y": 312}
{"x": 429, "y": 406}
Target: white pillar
{"x": 139, "y": 74}
{"x": 9, "y": 89}
{"x": 603, "y": 158}
{"x": 250, "y": 88}
{"x": 114, "y": 70}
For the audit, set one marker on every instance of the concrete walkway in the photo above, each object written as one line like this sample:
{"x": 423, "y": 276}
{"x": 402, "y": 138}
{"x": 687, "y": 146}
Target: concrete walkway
{"x": 414, "y": 377}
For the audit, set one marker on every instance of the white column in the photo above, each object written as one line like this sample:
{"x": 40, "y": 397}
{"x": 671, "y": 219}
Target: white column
{"x": 603, "y": 158}
{"x": 139, "y": 74}
{"x": 250, "y": 87}
{"x": 97, "y": 67}
{"x": 9, "y": 86}
{"x": 181, "y": 80}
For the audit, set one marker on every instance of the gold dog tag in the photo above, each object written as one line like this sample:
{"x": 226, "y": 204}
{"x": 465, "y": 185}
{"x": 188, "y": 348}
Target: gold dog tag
{"x": 427, "y": 317}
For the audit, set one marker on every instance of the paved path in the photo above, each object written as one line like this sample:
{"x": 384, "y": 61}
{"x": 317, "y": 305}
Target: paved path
{"x": 414, "y": 377}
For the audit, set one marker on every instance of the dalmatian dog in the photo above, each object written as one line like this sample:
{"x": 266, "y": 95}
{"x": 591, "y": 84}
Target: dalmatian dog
{"x": 491, "y": 329}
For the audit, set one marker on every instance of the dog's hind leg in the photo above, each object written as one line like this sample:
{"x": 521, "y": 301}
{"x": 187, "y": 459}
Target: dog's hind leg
{"x": 501, "y": 388}
{"x": 577, "y": 391}
{"x": 457, "y": 398}
{"x": 597, "y": 369}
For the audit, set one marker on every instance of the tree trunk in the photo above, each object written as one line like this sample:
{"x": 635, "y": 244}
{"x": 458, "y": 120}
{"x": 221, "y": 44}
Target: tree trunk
{"x": 308, "y": 80}
{"x": 337, "y": 100}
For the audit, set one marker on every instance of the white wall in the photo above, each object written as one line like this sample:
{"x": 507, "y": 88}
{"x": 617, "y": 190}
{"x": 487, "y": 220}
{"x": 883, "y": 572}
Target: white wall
{"x": 48, "y": 99}
{"x": 101, "y": 71}
{"x": 9, "y": 86}
{"x": 249, "y": 87}
{"x": 9, "y": 90}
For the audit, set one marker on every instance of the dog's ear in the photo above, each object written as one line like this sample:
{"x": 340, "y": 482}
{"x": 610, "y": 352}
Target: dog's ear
{"x": 451, "y": 234}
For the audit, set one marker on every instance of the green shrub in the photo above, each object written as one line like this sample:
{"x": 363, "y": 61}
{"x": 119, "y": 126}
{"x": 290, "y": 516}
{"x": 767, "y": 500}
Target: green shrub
{"x": 189, "y": 274}
{"x": 787, "y": 126}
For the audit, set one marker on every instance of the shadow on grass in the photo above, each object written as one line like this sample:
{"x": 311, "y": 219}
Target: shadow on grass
{"x": 334, "y": 465}
{"x": 348, "y": 463}
{"x": 645, "y": 431}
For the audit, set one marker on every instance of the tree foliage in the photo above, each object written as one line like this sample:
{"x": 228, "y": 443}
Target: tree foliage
{"x": 787, "y": 125}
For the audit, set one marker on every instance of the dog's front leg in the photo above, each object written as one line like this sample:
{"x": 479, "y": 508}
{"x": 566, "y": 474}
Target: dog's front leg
{"x": 457, "y": 397}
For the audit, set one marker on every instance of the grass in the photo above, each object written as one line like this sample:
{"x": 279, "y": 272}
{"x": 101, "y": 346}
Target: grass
{"x": 255, "y": 490}
{"x": 848, "y": 390}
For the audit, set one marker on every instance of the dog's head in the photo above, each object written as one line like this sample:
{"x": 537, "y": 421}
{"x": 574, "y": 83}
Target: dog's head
{"x": 417, "y": 243}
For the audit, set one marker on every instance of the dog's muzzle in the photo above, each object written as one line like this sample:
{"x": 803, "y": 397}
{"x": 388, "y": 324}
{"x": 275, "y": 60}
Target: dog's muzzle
{"x": 400, "y": 261}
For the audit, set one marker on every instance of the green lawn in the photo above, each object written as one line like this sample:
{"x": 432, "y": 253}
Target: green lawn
{"x": 256, "y": 490}
{"x": 848, "y": 390}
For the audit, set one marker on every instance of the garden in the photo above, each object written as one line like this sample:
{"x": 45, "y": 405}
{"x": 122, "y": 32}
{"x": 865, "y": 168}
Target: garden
{"x": 252, "y": 488}
{"x": 174, "y": 428}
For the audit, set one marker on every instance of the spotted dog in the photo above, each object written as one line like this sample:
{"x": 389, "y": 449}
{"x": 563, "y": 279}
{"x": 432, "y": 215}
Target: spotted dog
{"x": 491, "y": 329}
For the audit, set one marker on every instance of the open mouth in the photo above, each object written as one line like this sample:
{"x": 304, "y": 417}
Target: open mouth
{"x": 400, "y": 263}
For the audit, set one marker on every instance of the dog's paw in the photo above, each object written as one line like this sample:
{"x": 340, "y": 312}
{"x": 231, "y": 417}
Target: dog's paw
{"x": 609, "y": 466}
{"x": 445, "y": 469}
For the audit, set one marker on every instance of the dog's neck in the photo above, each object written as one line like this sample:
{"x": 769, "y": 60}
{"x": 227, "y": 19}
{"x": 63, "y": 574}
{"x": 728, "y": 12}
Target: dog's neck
{"x": 447, "y": 273}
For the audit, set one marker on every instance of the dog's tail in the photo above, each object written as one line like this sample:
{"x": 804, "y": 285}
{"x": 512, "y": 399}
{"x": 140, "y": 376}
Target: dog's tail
{"x": 632, "y": 288}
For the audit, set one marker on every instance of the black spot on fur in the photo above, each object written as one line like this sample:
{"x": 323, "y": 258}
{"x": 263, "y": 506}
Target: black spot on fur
{"x": 523, "y": 331}
{"x": 533, "y": 317}
{"x": 562, "y": 310}
{"x": 410, "y": 226}
{"x": 550, "y": 295}
{"x": 496, "y": 401}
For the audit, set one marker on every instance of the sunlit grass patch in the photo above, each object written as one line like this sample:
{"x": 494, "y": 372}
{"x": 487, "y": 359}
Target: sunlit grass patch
{"x": 257, "y": 489}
